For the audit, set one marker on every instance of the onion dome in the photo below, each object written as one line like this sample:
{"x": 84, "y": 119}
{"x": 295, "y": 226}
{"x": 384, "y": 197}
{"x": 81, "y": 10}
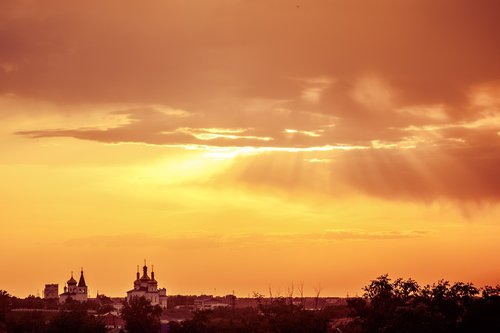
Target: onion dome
{"x": 137, "y": 277}
{"x": 152, "y": 275}
{"x": 145, "y": 276}
{"x": 71, "y": 281}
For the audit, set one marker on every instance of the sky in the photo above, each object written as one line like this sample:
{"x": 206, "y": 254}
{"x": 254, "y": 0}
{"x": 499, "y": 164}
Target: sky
{"x": 241, "y": 146}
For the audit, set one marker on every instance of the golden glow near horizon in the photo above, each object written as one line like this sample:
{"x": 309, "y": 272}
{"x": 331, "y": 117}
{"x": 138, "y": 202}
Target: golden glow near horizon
{"x": 209, "y": 142}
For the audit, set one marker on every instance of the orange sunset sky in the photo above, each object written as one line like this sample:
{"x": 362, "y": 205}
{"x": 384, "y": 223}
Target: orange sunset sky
{"x": 237, "y": 144}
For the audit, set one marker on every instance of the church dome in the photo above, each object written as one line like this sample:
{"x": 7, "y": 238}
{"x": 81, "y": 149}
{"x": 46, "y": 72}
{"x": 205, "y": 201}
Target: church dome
{"x": 71, "y": 281}
{"x": 145, "y": 276}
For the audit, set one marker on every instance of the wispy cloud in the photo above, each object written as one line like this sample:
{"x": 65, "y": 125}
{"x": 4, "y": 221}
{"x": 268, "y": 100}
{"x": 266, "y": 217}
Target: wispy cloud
{"x": 200, "y": 240}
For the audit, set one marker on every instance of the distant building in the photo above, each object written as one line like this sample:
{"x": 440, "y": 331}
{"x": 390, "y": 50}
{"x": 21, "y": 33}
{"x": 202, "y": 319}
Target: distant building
{"x": 147, "y": 287}
{"x": 51, "y": 291}
{"x": 209, "y": 304}
{"x": 113, "y": 321}
{"x": 77, "y": 292}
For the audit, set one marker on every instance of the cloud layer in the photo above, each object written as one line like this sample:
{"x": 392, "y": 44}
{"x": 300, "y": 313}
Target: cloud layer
{"x": 185, "y": 54}
{"x": 406, "y": 90}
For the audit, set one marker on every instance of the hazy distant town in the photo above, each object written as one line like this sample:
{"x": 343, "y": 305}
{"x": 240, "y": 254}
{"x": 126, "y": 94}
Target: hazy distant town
{"x": 399, "y": 305}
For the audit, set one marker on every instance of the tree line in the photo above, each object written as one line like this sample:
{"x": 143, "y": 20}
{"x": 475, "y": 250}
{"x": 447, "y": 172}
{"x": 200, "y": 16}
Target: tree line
{"x": 403, "y": 305}
{"x": 386, "y": 306}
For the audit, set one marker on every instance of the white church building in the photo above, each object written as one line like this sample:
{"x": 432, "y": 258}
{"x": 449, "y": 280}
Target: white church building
{"x": 147, "y": 287}
{"x": 77, "y": 292}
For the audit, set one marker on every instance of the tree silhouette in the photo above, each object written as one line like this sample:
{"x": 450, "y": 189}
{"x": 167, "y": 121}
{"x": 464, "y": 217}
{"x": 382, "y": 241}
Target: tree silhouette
{"x": 140, "y": 316}
{"x": 5, "y": 306}
{"x": 276, "y": 315}
{"x": 404, "y": 306}
{"x": 75, "y": 322}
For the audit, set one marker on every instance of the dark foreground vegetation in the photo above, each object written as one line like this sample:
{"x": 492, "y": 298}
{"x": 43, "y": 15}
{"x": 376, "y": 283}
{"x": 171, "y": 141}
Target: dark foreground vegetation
{"x": 387, "y": 306}
{"x": 404, "y": 306}
{"x": 277, "y": 315}
{"x": 399, "y": 306}
{"x": 71, "y": 317}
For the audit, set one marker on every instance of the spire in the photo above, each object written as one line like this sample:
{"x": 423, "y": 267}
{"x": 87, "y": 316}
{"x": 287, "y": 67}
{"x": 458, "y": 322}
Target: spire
{"x": 81, "y": 283}
{"x": 152, "y": 272}
{"x": 137, "y": 274}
